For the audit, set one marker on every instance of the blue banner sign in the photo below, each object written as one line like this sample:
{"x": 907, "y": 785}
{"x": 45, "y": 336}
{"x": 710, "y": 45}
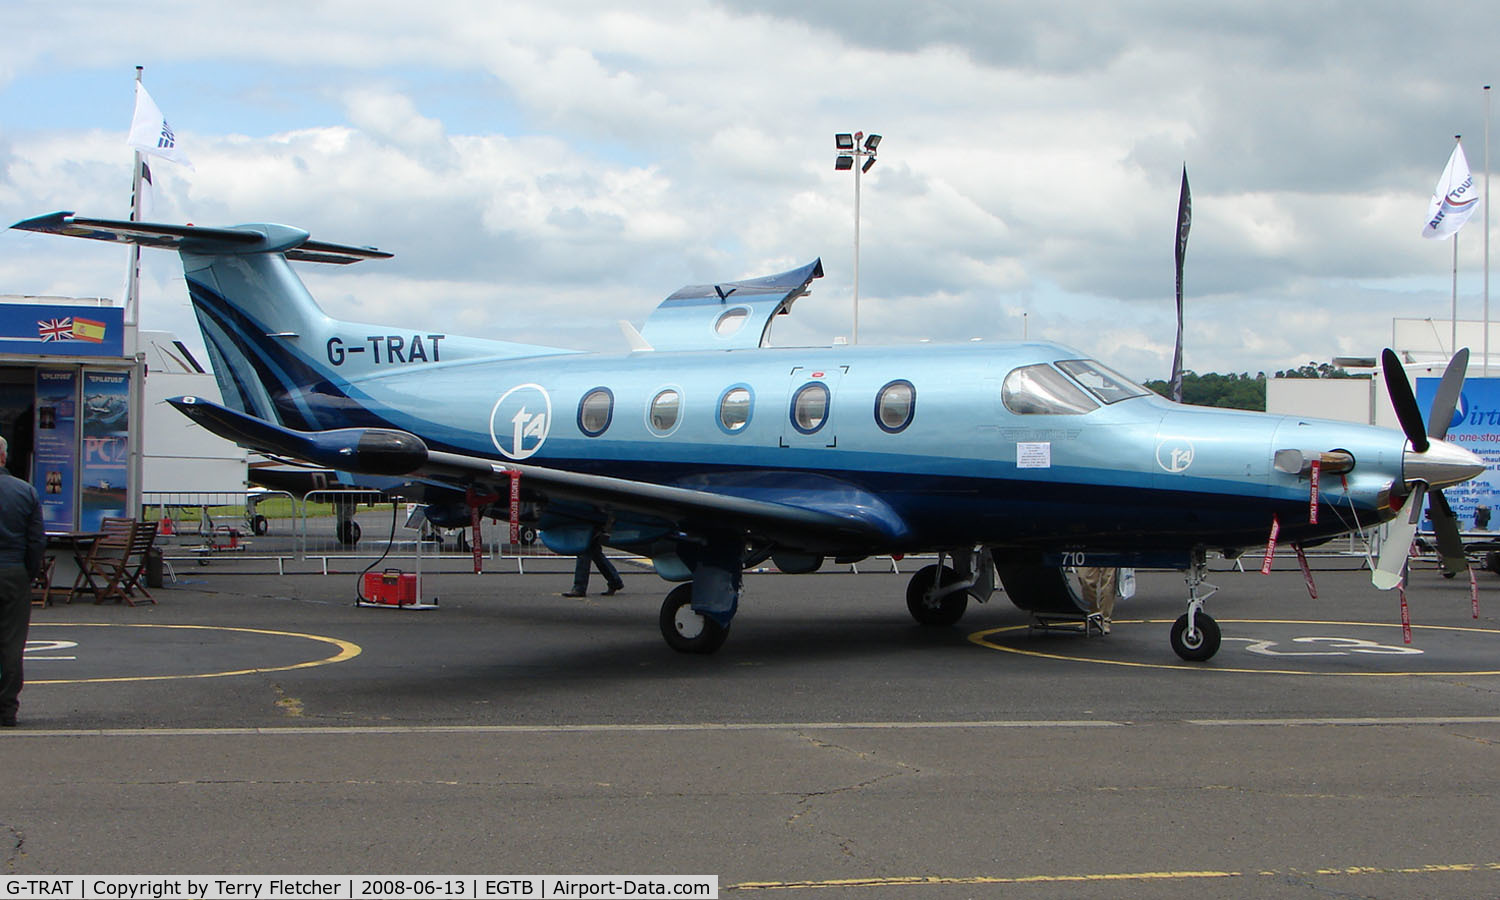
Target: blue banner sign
{"x": 1476, "y": 427}
{"x": 40, "y": 329}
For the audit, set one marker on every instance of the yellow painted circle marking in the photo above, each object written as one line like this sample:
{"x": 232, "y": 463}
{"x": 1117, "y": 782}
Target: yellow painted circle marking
{"x": 346, "y": 651}
{"x": 982, "y": 638}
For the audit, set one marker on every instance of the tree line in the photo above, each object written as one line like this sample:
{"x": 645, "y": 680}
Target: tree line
{"x": 1240, "y": 391}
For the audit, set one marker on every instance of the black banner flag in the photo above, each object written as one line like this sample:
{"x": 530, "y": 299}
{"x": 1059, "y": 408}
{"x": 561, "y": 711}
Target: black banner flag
{"x": 1184, "y": 222}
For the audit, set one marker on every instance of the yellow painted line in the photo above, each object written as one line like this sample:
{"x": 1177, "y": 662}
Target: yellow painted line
{"x": 346, "y": 651}
{"x": 912, "y": 880}
{"x": 1210, "y": 874}
{"x": 982, "y": 638}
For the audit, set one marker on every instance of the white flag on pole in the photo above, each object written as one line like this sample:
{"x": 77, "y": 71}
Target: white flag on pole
{"x": 149, "y": 131}
{"x": 1453, "y": 200}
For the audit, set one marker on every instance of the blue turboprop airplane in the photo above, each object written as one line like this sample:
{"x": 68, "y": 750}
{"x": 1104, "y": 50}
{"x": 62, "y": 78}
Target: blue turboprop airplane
{"x": 710, "y": 452}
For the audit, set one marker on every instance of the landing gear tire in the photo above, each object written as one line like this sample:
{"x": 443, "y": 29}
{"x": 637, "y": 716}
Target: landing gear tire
{"x": 259, "y": 524}
{"x": 348, "y": 532}
{"x": 1203, "y": 645}
{"x": 685, "y": 630}
{"x": 944, "y": 611}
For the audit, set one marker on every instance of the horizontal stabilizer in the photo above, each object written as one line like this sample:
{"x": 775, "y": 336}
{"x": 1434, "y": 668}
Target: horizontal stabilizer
{"x": 263, "y": 238}
{"x": 375, "y": 451}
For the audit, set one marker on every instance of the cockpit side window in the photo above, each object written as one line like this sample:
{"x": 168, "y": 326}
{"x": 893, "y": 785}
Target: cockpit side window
{"x": 1041, "y": 389}
{"x": 1100, "y": 380}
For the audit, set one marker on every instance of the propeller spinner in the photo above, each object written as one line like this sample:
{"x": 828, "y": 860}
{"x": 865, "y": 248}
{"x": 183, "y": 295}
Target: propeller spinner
{"x": 1430, "y": 463}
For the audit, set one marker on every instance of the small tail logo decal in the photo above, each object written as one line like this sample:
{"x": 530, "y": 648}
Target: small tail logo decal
{"x": 520, "y": 421}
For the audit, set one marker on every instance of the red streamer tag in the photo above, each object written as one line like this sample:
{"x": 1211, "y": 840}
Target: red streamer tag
{"x": 1474, "y": 591}
{"x": 515, "y": 507}
{"x": 1405, "y": 614}
{"x": 1312, "y": 589}
{"x": 477, "y": 503}
{"x": 1312, "y": 513}
{"x": 1265, "y": 567}
{"x": 476, "y": 540}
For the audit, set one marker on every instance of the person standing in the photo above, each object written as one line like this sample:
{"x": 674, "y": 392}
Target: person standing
{"x": 23, "y": 542}
{"x": 1100, "y": 587}
{"x": 594, "y": 556}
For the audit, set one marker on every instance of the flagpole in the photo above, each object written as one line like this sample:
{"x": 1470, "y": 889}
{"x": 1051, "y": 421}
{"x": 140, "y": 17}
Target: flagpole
{"x": 1486, "y": 231}
{"x": 133, "y": 277}
{"x": 1453, "y": 346}
{"x": 1453, "y": 340}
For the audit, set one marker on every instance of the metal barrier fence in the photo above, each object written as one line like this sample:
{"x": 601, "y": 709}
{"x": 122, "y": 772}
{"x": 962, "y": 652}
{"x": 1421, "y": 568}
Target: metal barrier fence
{"x": 322, "y": 527}
{"x": 199, "y": 526}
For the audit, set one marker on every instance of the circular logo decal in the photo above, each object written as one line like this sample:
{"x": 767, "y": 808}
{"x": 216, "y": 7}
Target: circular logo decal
{"x": 520, "y": 421}
{"x": 1175, "y": 454}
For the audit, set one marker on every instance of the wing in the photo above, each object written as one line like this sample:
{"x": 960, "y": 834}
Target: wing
{"x": 825, "y": 514}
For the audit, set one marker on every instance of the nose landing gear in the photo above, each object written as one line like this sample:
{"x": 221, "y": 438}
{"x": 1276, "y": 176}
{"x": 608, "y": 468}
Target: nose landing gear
{"x": 1195, "y": 635}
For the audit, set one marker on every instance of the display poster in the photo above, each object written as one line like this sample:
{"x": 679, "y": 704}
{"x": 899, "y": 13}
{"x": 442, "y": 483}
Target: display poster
{"x": 1475, "y": 427}
{"x": 106, "y": 447}
{"x": 54, "y": 466}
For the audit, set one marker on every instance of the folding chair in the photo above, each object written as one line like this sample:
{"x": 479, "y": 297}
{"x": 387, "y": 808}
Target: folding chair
{"x": 41, "y": 585}
{"x": 141, "y": 542}
{"x": 106, "y": 561}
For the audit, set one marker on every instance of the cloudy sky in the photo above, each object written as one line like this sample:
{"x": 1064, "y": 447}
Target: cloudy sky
{"x": 544, "y": 169}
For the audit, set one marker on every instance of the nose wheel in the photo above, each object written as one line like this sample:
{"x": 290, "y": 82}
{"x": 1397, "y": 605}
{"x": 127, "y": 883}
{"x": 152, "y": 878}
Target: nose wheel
{"x": 1195, "y": 635}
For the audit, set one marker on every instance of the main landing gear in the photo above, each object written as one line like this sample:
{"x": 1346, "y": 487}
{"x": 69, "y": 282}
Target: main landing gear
{"x": 696, "y": 615}
{"x": 1195, "y": 635}
{"x": 686, "y": 630}
{"x": 938, "y": 595}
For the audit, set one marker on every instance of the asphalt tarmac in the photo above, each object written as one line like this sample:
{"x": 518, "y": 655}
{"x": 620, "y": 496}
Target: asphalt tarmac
{"x": 262, "y": 724}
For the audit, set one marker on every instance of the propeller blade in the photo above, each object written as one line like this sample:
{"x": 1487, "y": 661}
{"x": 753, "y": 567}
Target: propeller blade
{"x": 1446, "y": 399}
{"x": 1404, "y": 402}
{"x": 1445, "y": 527}
{"x": 1397, "y": 545}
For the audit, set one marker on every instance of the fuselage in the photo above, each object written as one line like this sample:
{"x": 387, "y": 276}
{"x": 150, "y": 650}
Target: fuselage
{"x": 936, "y": 432}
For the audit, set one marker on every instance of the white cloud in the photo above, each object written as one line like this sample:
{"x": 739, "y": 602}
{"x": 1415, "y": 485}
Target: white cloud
{"x": 573, "y": 163}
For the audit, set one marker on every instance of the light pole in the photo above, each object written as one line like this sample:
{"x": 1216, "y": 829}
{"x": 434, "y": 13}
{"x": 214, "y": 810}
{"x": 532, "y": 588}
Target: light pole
{"x": 849, "y": 147}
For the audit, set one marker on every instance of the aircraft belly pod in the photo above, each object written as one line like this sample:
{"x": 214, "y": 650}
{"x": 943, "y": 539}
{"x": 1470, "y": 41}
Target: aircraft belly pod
{"x": 710, "y": 452}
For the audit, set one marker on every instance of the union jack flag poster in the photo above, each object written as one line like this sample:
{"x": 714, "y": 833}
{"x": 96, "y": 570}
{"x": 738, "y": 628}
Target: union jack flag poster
{"x": 55, "y": 329}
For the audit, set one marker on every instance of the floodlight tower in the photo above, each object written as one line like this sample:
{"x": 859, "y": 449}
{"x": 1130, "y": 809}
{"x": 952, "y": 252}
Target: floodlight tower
{"x": 849, "y": 147}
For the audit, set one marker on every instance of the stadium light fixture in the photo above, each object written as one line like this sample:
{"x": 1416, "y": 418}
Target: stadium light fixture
{"x": 849, "y": 147}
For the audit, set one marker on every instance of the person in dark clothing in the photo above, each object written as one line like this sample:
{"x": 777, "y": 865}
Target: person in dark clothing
{"x": 594, "y": 556}
{"x": 23, "y": 543}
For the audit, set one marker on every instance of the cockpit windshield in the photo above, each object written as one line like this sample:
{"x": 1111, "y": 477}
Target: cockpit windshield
{"x": 1100, "y": 380}
{"x": 1041, "y": 389}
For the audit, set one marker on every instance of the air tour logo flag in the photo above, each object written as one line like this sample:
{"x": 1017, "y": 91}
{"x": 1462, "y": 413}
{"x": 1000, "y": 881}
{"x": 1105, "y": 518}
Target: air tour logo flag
{"x": 1453, "y": 200}
{"x": 149, "y": 131}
